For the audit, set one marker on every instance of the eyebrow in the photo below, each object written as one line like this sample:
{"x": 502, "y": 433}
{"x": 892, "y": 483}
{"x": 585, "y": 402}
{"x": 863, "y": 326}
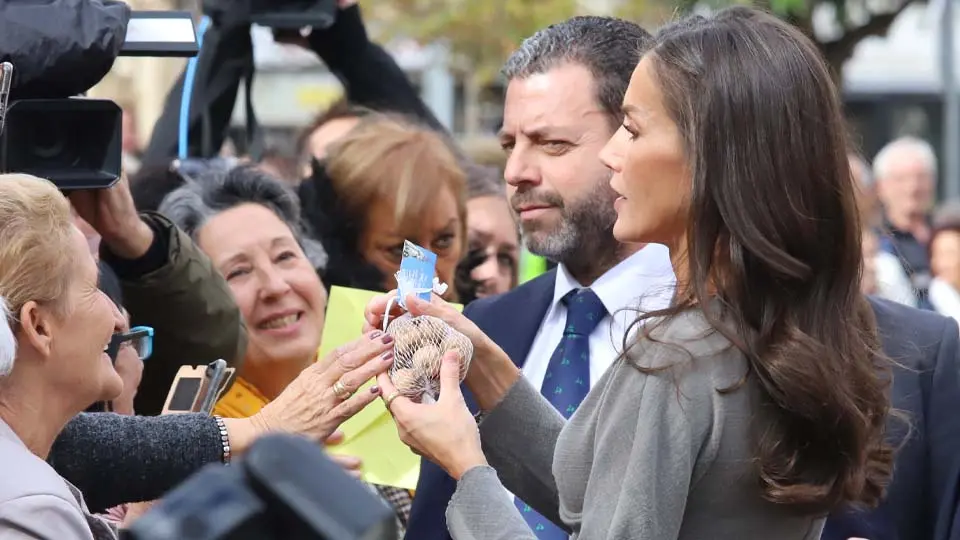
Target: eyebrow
{"x": 486, "y": 237}
{"x": 629, "y": 110}
{"x": 449, "y": 225}
{"x": 537, "y": 134}
{"x": 238, "y": 257}
{"x": 400, "y": 236}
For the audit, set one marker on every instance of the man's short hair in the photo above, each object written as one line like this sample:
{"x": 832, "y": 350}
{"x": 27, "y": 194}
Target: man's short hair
{"x": 609, "y": 47}
{"x": 904, "y": 146}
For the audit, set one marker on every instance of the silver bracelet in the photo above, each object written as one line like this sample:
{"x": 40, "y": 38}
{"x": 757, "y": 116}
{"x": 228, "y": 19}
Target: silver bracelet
{"x": 224, "y": 438}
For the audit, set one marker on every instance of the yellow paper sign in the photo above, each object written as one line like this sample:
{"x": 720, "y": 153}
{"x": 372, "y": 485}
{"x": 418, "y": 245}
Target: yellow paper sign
{"x": 371, "y": 435}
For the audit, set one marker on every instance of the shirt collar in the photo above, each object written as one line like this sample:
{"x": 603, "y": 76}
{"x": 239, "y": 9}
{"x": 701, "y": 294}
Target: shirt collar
{"x": 644, "y": 278}
{"x": 6, "y": 432}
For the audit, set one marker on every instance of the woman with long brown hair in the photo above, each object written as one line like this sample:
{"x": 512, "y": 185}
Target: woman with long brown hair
{"x": 757, "y": 402}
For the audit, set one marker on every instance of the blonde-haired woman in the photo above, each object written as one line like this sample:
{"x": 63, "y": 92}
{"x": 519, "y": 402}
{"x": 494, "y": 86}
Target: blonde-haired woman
{"x": 386, "y": 181}
{"x": 57, "y": 366}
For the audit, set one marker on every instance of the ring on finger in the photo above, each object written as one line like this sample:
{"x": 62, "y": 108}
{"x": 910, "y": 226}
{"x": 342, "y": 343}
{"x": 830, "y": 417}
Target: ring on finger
{"x": 340, "y": 390}
{"x": 389, "y": 399}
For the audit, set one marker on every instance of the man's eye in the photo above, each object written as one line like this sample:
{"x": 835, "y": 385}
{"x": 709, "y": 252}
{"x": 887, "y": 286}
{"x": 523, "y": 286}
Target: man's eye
{"x": 556, "y": 147}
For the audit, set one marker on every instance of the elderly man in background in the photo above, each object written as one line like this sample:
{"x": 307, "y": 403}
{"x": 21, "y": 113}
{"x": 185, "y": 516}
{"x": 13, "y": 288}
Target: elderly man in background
{"x": 905, "y": 171}
{"x": 883, "y": 274}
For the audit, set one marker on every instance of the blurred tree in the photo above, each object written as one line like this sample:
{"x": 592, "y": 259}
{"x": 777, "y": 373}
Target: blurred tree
{"x": 851, "y": 20}
{"x": 481, "y": 33}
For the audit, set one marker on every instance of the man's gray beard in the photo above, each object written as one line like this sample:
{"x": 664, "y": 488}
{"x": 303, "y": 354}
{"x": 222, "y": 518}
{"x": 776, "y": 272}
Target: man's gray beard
{"x": 584, "y": 235}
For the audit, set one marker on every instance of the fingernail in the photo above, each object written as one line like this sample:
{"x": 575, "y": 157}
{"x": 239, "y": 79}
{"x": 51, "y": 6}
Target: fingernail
{"x": 375, "y": 334}
{"x": 387, "y": 356}
{"x": 387, "y": 339}
{"x": 374, "y": 389}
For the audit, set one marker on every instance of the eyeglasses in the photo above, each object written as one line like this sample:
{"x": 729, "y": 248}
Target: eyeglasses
{"x": 139, "y": 337}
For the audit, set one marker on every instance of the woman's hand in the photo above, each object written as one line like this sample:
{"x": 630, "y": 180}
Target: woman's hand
{"x": 491, "y": 372}
{"x": 350, "y": 464}
{"x": 483, "y": 347}
{"x": 135, "y": 511}
{"x": 325, "y": 394}
{"x": 444, "y": 432}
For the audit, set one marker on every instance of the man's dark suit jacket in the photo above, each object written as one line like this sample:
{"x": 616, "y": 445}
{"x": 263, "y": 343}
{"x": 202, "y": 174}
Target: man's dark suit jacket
{"x": 923, "y": 496}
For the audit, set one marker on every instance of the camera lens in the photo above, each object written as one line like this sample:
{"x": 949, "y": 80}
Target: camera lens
{"x": 49, "y": 143}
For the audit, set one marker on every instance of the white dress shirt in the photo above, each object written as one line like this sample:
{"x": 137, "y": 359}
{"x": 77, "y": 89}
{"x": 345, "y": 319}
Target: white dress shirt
{"x": 892, "y": 282}
{"x": 643, "y": 281}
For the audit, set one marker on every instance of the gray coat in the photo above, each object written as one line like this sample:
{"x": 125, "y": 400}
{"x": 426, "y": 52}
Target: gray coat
{"x": 645, "y": 457}
{"x": 36, "y": 503}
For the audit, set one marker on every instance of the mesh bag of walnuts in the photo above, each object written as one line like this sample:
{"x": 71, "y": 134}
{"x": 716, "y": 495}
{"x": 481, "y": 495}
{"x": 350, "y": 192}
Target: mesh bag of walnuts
{"x": 419, "y": 346}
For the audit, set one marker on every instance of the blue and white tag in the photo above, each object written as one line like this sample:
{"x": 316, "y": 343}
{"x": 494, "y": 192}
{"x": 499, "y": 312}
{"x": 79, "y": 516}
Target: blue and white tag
{"x": 417, "y": 273}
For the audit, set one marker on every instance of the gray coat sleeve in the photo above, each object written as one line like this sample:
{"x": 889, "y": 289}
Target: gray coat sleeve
{"x": 116, "y": 459}
{"x": 480, "y": 503}
{"x": 42, "y": 516}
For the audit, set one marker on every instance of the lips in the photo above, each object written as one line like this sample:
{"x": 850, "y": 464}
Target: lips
{"x": 280, "y": 321}
{"x": 530, "y": 208}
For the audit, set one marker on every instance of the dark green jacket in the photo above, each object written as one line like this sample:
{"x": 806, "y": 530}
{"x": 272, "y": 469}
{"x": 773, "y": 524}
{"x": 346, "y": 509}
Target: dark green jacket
{"x": 175, "y": 289}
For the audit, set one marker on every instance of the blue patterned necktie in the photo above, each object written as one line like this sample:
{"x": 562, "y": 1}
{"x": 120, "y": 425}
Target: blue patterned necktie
{"x": 568, "y": 380}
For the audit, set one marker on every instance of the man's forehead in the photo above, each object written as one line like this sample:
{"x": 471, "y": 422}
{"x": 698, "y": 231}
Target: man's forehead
{"x": 562, "y": 98}
{"x": 541, "y": 82}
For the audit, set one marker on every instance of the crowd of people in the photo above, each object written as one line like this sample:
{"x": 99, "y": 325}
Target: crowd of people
{"x": 736, "y": 341}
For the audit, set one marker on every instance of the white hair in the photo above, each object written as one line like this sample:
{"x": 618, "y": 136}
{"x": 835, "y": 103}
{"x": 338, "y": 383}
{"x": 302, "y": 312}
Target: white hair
{"x": 899, "y": 148}
{"x": 8, "y": 345}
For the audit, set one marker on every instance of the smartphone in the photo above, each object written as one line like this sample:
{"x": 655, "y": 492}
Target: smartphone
{"x": 196, "y": 388}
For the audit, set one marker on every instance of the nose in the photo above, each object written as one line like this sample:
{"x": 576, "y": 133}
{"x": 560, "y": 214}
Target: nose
{"x": 272, "y": 283}
{"x": 119, "y": 321}
{"x": 611, "y": 154}
{"x": 521, "y": 167}
{"x": 487, "y": 271}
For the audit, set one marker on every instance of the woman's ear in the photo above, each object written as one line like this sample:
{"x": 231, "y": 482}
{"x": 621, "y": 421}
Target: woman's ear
{"x": 36, "y": 327}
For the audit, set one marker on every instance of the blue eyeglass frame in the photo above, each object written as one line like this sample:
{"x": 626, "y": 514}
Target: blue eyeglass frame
{"x": 136, "y": 332}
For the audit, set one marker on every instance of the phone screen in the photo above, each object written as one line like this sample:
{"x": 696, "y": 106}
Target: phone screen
{"x": 185, "y": 394}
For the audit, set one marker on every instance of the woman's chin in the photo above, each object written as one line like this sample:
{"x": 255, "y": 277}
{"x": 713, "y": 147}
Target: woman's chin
{"x": 294, "y": 351}
{"x": 624, "y": 233}
{"x": 111, "y": 386}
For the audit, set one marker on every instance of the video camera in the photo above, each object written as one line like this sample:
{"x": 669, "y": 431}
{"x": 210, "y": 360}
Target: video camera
{"x": 283, "y": 487}
{"x": 52, "y": 52}
{"x": 56, "y": 51}
{"x": 279, "y": 15}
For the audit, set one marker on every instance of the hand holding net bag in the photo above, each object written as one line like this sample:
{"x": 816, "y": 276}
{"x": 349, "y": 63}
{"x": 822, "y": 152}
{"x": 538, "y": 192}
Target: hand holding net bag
{"x": 419, "y": 346}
